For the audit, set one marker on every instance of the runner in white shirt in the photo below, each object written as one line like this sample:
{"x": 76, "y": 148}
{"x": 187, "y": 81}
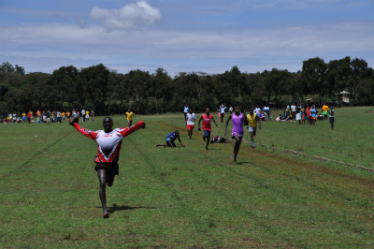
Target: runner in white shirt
{"x": 191, "y": 118}
{"x": 222, "y": 110}
{"x": 293, "y": 111}
{"x": 109, "y": 142}
{"x": 185, "y": 111}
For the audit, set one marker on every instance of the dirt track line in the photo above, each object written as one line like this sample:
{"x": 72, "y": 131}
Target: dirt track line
{"x": 36, "y": 154}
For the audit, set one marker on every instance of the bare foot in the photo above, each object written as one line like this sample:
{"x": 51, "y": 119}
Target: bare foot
{"x": 106, "y": 214}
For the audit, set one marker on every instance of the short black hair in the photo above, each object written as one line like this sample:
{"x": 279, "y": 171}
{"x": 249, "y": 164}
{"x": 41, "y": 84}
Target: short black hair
{"x": 107, "y": 119}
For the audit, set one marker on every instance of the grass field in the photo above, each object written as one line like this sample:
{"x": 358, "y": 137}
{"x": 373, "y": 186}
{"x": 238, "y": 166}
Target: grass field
{"x": 188, "y": 197}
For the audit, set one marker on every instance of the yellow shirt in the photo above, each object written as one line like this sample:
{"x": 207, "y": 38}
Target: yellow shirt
{"x": 129, "y": 116}
{"x": 252, "y": 120}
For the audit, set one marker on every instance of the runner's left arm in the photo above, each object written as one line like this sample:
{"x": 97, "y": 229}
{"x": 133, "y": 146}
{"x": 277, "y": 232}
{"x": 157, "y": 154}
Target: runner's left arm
{"x": 214, "y": 121}
{"x": 128, "y": 130}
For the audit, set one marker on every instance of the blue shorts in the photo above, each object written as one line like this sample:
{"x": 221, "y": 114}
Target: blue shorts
{"x": 206, "y": 133}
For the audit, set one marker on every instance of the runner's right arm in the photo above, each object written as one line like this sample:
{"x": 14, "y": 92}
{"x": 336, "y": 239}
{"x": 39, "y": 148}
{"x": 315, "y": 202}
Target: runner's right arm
{"x": 84, "y": 131}
{"x": 201, "y": 118}
{"x": 227, "y": 123}
{"x": 180, "y": 141}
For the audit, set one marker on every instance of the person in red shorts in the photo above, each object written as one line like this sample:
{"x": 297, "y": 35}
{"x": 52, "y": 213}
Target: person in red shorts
{"x": 207, "y": 118}
{"x": 109, "y": 143}
{"x": 191, "y": 118}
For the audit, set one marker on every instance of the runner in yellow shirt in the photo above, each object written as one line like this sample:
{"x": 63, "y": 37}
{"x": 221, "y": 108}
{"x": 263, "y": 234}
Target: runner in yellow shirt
{"x": 253, "y": 119}
{"x": 129, "y": 116}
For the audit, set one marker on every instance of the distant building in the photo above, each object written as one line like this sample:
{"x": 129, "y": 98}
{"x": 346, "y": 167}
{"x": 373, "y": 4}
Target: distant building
{"x": 345, "y": 96}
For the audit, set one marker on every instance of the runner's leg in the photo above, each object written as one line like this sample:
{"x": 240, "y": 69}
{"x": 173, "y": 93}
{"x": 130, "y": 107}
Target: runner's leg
{"x": 101, "y": 173}
{"x": 110, "y": 178}
{"x": 238, "y": 141}
{"x": 207, "y": 140}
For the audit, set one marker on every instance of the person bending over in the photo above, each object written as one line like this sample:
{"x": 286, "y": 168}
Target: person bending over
{"x": 108, "y": 148}
{"x": 170, "y": 140}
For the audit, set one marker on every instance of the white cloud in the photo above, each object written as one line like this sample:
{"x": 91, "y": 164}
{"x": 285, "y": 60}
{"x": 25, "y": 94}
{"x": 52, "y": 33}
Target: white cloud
{"x": 128, "y": 16}
{"x": 211, "y": 51}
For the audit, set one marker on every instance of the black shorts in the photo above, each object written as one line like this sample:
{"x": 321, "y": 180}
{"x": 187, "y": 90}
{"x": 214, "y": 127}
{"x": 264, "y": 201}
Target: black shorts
{"x": 111, "y": 168}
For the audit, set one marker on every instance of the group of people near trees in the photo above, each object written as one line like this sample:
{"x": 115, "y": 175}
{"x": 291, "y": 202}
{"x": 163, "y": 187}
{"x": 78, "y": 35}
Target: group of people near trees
{"x": 46, "y": 116}
{"x": 307, "y": 113}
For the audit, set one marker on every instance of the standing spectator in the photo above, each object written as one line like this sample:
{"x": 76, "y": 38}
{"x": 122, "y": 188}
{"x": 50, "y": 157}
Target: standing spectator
{"x": 29, "y": 117}
{"x": 222, "y": 110}
{"x": 332, "y": 118}
{"x": 185, "y": 111}
{"x": 87, "y": 115}
{"x": 59, "y": 117}
{"x": 325, "y": 111}
{"x": 83, "y": 115}
{"x": 293, "y": 111}
{"x": 267, "y": 111}
{"x": 313, "y": 114}
{"x": 298, "y": 114}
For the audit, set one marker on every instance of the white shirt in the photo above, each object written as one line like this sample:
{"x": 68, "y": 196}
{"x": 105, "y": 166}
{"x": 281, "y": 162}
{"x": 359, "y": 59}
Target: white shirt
{"x": 293, "y": 108}
{"x": 223, "y": 109}
{"x": 185, "y": 110}
{"x": 191, "y": 117}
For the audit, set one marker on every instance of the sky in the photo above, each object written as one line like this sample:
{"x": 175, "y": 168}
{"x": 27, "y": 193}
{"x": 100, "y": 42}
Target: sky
{"x": 208, "y": 36}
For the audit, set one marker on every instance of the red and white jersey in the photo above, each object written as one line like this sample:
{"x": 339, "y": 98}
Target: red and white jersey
{"x": 108, "y": 144}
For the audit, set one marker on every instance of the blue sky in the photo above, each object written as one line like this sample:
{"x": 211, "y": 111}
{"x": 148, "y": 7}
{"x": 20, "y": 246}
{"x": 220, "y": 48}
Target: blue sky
{"x": 184, "y": 36}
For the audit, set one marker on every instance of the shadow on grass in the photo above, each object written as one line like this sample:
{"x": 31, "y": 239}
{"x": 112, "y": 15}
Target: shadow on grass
{"x": 116, "y": 208}
{"x": 242, "y": 163}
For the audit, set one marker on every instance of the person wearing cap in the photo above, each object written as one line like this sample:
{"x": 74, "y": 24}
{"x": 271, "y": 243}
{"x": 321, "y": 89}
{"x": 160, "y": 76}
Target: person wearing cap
{"x": 109, "y": 143}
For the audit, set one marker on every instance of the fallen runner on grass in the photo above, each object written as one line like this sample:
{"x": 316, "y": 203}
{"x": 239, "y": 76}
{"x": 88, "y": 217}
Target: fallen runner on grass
{"x": 170, "y": 140}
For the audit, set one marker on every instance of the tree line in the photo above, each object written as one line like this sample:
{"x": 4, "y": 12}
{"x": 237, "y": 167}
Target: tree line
{"x": 105, "y": 91}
